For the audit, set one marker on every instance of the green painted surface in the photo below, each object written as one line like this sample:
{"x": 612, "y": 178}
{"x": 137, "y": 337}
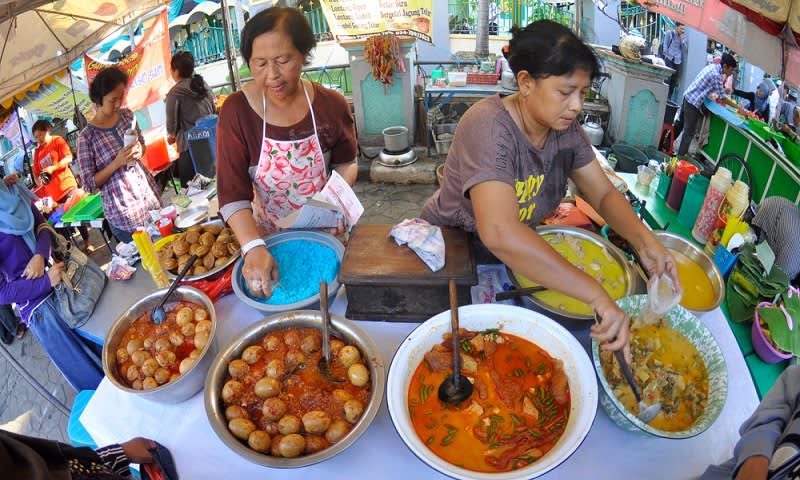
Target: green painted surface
{"x": 764, "y": 374}
{"x": 642, "y": 120}
{"x": 383, "y": 104}
{"x": 656, "y": 212}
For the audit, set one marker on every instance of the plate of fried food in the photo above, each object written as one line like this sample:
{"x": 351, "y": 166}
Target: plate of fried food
{"x": 214, "y": 244}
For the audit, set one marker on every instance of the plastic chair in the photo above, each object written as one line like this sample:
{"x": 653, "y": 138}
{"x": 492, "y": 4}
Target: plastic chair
{"x": 78, "y": 435}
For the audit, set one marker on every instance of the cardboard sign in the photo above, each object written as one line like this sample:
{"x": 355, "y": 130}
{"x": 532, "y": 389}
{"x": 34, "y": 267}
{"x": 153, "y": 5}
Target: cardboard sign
{"x": 336, "y": 200}
{"x": 354, "y": 19}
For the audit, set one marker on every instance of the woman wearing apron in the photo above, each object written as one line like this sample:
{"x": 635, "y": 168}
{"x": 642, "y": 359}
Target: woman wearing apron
{"x": 277, "y": 139}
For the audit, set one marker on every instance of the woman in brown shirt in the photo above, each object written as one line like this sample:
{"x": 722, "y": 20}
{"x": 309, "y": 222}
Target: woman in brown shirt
{"x": 509, "y": 163}
{"x": 278, "y": 138}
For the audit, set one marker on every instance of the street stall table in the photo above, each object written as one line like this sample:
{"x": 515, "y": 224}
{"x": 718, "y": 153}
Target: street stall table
{"x": 607, "y": 452}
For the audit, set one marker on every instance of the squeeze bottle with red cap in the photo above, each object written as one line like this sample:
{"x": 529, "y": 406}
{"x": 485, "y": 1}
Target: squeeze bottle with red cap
{"x": 679, "y": 179}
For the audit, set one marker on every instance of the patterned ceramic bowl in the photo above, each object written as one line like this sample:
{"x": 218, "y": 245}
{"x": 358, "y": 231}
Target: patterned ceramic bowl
{"x": 692, "y": 328}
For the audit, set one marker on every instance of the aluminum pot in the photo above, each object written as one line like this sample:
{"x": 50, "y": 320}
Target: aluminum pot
{"x": 395, "y": 139}
{"x": 342, "y": 328}
{"x": 578, "y": 322}
{"x": 188, "y": 384}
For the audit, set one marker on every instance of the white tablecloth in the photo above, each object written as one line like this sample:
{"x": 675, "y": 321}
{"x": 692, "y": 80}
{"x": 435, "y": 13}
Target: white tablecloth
{"x": 607, "y": 452}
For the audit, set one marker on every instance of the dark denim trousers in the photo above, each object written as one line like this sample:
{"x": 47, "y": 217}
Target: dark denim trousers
{"x": 76, "y": 361}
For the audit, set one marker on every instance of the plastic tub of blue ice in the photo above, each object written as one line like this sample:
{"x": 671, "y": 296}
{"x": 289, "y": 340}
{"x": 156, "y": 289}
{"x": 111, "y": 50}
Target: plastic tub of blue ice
{"x": 304, "y": 259}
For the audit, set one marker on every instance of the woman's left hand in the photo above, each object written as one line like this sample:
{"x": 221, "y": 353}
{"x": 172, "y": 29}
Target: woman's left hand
{"x": 337, "y": 231}
{"x": 657, "y": 260}
{"x": 35, "y": 268}
{"x": 138, "y": 450}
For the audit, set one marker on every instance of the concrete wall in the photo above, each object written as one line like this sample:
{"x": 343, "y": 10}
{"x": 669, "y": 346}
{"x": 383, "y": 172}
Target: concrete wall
{"x": 600, "y": 29}
{"x": 694, "y": 62}
{"x": 440, "y": 50}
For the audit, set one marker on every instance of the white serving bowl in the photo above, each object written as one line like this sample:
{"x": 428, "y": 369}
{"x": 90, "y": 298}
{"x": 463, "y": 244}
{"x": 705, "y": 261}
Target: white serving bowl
{"x": 524, "y": 323}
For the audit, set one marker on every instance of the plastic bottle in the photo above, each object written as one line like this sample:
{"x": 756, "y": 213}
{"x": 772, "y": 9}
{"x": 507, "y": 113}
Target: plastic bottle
{"x": 682, "y": 171}
{"x": 733, "y": 206}
{"x": 707, "y": 218}
{"x": 692, "y": 200}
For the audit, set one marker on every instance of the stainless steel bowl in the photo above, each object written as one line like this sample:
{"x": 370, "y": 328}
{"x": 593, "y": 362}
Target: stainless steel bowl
{"x": 214, "y": 272}
{"x": 686, "y": 247}
{"x": 344, "y": 329}
{"x": 188, "y": 384}
{"x": 572, "y": 321}
{"x": 277, "y": 239}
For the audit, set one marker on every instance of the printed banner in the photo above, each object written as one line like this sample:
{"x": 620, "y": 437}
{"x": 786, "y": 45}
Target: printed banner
{"x": 353, "y": 19}
{"x": 9, "y": 128}
{"x": 54, "y": 99}
{"x": 147, "y": 66}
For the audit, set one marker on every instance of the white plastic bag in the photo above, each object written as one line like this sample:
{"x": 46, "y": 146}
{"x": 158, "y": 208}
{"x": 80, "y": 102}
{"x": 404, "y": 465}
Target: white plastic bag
{"x": 661, "y": 297}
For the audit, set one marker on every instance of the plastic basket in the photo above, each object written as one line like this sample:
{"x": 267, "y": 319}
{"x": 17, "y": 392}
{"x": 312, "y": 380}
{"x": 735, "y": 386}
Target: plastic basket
{"x": 763, "y": 130}
{"x": 443, "y": 134}
{"x": 482, "y": 78}
{"x": 628, "y": 158}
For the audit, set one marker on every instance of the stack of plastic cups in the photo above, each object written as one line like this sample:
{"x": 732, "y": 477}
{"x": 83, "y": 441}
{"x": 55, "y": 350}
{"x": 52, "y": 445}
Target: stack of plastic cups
{"x": 707, "y": 218}
{"x": 692, "y": 200}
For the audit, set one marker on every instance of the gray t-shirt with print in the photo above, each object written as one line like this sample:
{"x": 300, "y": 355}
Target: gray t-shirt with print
{"x": 489, "y": 146}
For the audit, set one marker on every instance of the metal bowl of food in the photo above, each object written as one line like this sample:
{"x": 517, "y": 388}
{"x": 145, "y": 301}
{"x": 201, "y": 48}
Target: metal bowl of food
{"x": 593, "y": 254}
{"x": 214, "y": 244}
{"x": 290, "y": 368}
{"x": 304, "y": 274}
{"x": 150, "y": 338}
{"x": 513, "y": 349}
{"x": 703, "y": 286}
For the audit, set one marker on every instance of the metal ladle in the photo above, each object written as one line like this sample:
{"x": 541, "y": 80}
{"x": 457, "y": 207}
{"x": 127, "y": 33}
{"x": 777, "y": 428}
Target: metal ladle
{"x": 159, "y": 315}
{"x": 455, "y": 388}
{"x": 646, "y": 412}
{"x": 325, "y": 360}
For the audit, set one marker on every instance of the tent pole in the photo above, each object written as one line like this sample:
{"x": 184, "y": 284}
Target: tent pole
{"x": 22, "y": 137}
{"x": 230, "y": 55}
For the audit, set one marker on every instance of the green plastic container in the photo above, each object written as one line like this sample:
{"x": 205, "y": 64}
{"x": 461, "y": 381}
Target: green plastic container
{"x": 764, "y": 131}
{"x": 664, "y": 182}
{"x": 88, "y": 208}
{"x": 792, "y": 151}
{"x": 693, "y": 200}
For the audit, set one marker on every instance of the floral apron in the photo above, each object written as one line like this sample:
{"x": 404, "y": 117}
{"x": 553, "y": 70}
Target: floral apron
{"x": 289, "y": 172}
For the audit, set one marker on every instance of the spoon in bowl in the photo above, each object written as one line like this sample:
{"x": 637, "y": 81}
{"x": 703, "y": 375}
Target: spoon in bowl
{"x": 325, "y": 359}
{"x": 455, "y": 388}
{"x": 159, "y": 315}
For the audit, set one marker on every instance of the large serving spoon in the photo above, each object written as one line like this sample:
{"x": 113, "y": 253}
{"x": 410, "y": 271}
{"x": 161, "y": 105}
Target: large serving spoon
{"x": 159, "y": 315}
{"x": 325, "y": 360}
{"x": 646, "y": 412}
{"x": 455, "y": 388}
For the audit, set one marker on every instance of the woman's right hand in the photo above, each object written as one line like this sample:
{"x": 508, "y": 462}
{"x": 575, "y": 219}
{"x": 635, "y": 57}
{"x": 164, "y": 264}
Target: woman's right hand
{"x": 259, "y": 271}
{"x": 612, "y": 331}
{"x": 125, "y": 155}
{"x": 54, "y": 273}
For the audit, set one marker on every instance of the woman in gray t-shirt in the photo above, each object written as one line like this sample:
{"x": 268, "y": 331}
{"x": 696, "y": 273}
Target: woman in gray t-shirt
{"x": 508, "y": 166}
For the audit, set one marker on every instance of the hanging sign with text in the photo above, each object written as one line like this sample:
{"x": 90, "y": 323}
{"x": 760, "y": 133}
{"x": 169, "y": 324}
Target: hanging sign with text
{"x": 354, "y": 19}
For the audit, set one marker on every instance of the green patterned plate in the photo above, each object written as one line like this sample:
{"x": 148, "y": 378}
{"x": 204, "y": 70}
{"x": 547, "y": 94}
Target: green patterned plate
{"x": 690, "y": 326}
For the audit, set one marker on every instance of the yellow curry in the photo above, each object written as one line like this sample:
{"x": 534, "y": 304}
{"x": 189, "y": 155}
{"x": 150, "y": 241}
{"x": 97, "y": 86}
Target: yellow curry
{"x": 698, "y": 293}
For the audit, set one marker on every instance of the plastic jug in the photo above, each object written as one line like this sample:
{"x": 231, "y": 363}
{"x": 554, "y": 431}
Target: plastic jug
{"x": 679, "y": 180}
{"x": 734, "y": 205}
{"x": 692, "y": 200}
{"x": 707, "y": 218}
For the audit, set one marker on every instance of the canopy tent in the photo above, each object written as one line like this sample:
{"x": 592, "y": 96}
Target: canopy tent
{"x": 40, "y": 37}
{"x": 763, "y": 31}
{"x": 197, "y": 13}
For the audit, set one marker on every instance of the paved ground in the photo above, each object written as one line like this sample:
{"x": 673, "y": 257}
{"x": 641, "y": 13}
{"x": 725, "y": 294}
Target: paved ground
{"x": 24, "y": 410}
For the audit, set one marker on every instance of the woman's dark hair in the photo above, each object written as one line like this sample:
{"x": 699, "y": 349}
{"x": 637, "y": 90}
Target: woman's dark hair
{"x": 105, "y": 82}
{"x": 41, "y": 126}
{"x": 183, "y": 62}
{"x": 290, "y": 20}
{"x": 546, "y": 48}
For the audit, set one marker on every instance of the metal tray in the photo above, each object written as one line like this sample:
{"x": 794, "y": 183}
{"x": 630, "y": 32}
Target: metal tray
{"x": 214, "y": 272}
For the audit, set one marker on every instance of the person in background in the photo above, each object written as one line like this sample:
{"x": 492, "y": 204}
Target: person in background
{"x": 775, "y": 99}
{"x": 25, "y": 281}
{"x": 51, "y": 169}
{"x": 769, "y": 446}
{"x": 189, "y": 100}
{"x": 106, "y": 164}
{"x": 508, "y": 167}
{"x": 278, "y": 138}
{"x": 674, "y": 48}
{"x": 785, "y": 121}
{"x": 708, "y": 83}
{"x": 29, "y": 458}
{"x": 777, "y": 221}
{"x": 761, "y": 98}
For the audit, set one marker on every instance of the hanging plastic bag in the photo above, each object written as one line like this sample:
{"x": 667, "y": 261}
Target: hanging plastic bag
{"x": 661, "y": 297}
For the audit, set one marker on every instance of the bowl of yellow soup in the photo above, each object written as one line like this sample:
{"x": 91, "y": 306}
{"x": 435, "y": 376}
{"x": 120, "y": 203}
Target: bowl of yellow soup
{"x": 591, "y": 253}
{"x": 677, "y": 362}
{"x": 703, "y": 286}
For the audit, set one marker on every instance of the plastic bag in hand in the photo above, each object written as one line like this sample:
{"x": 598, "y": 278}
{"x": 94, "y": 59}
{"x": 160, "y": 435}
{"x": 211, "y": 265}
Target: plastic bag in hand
{"x": 661, "y": 297}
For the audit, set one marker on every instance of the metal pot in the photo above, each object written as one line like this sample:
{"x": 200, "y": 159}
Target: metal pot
{"x": 578, "y": 322}
{"x": 395, "y": 139}
{"x": 188, "y": 384}
{"x": 593, "y": 130}
{"x": 344, "y": 329}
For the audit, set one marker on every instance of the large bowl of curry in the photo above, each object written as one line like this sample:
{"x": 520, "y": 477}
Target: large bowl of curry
{"x": 533, "y": 403}
{"x": 675, "y": 361}
{"x": 268, "y": 400}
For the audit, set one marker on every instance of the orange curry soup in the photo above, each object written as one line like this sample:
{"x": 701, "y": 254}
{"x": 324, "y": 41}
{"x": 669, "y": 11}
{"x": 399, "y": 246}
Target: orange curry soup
{"x": 517, "y": 412}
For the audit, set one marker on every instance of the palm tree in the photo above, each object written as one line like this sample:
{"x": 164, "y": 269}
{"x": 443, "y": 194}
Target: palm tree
{"x": 482, "y": 30}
